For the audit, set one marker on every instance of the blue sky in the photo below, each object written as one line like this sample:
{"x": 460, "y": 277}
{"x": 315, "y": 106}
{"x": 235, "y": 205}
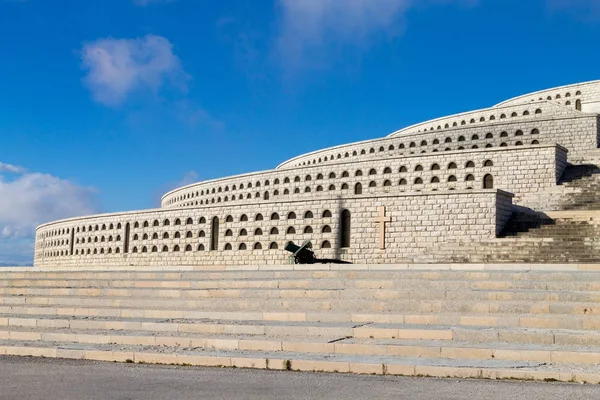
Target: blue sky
{"x": 107, "y": 104}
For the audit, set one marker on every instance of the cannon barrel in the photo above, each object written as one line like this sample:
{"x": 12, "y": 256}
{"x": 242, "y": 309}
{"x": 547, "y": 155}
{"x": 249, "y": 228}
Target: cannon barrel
{"x": 291, "y": 247}
{"x": 304, "y": 255}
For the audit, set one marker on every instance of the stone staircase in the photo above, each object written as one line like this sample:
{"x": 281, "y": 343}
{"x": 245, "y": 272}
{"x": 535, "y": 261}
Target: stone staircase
{"x": 591, "y": 156}
{"x": 559, "y": 225}
{"x": 563, "y": 239}
{"x": 495, "y": 324}
{"x": 584, "y": 183}
{"x": 578, "y": 189}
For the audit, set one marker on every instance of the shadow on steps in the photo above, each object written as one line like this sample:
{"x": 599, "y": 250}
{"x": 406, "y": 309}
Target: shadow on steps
{"x": 576, "y": 172}
{"x": 523, "y": 220}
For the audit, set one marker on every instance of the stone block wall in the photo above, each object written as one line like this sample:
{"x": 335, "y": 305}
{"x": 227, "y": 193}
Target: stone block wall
{"x": 518, "y": 169}
{"x": 586, "y": 92}
{"x": 522, "y": 117}
{"x": 257, "y": 234}
{"x": 514, "y": 113}
{"x": 598, "y": 130}
{"x": 577, "y": 133}
{"x": 504, "y": 210}
{"x": 561, "y": 162}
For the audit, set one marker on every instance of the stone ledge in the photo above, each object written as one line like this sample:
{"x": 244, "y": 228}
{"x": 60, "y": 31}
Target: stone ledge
{"x": 325, "y": 267}
{"x": 298, "y": 364}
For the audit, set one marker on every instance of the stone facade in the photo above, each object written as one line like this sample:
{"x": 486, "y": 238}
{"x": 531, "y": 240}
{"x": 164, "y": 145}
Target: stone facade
{"x": 429, "y": 184}
{"x": 251, "y": 234}
{"x": 588, "y": 93}
{"x": 519, "y": 169}
{"x": 576, "y": 134}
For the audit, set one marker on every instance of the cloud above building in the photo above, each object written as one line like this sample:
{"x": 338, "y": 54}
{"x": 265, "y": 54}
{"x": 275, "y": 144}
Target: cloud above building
{"x": 143, "y": 3}
{"x": 28, "y": 199}
{"x": 315, "y": 26}
{"x": 118, "y": 68}
{"x": 588, "y": 10}
{"x": 10, "y": 168}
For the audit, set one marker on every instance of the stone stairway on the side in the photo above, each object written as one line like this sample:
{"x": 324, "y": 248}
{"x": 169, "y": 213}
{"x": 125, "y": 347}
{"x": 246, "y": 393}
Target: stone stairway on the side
{"x": 489, "y": 324}
{"x": 566, "y": 238}
{"x": 562, "y": 224}
{"x": 578, "y": 188}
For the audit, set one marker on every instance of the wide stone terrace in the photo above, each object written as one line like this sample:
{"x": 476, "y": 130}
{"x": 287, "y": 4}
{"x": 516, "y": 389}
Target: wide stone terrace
{"x": 487, "y": 321}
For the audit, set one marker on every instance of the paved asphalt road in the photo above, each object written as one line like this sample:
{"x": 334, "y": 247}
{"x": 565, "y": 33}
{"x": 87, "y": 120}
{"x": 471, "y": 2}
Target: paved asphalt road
{"x": 38, "y": 378}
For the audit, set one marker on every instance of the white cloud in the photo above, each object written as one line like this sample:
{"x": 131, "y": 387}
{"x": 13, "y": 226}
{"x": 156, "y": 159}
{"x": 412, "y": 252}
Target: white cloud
{"x": 144, "y": 3}
{"x": 194, "y": 116}
{"x": 34, "y": 198}
{"x": 10, "y": 168}
{"x": 588, "y": 10}
{"x": 312, "y": 25}
{"x": 188, "y": 178}
{"x": 120, "y": 67}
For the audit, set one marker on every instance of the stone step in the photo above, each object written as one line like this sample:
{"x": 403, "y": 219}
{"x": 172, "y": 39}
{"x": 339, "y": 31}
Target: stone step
{"x": 332, "y": 284}
{"x": 533, "y": 322}
{"x": 407, "y": 347}
{"x": 425, "y": 293}
{"x": 327, "y": 362}
{"x": 306, "y": 329}
{"x": 548, "y": 251}
{"x": 530, "y": 322}
{"x": 333, "y": 329}
{"x": 328, "y": 305}
{"x": 517, "y": 271}
{"x": 585, "y": 216}
{"x": 527, "y": 320}
{"x": 507, "y": 257}
{"x": 532, "y": 253}
{"x": 578, "y": 189}
{"x": 571, "y": 237}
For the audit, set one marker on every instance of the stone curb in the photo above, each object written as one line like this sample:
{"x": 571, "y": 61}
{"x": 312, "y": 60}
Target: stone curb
{"x": 546, "y": 321}
{"x": 293, "y": 305}
{"x": 303, "y": 365}
{"x": 319, "y": 294}
{"x": 323, "y": 267}
{"x": 477, "y": 353}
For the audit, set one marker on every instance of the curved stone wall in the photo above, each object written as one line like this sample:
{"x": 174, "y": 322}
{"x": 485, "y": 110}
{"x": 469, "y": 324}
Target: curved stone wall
{"x": 565, "y": 95}
{"x": 393, "y": 199}
{"x": 518, "y": 169}
{"x": 251, "y": 231}
{"x": 551, "y": 119}
{"x": 513, "y": 113}
{"x": 257, "y": 234}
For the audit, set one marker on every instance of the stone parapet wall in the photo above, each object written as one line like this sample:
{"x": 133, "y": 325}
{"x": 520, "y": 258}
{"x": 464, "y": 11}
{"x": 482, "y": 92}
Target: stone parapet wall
{"x": 598, "y": 130}
{"x": 561, "y": 162}
{"x": 257, "y": 234}
{"x": 504, "y": 210}
{"x": 586, "y": 91}
{"x": 487, "y": 116}
{"x": 518, "y": 169}
{"x": 576, "y": 132}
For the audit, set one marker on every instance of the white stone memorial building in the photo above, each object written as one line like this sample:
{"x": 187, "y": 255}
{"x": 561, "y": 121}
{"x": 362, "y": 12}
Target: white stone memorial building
{"x": 400, "y": 198}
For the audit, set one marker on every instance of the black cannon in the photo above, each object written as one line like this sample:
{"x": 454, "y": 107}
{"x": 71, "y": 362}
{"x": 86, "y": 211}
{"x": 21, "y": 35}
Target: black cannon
{"x": 304, "y": 255}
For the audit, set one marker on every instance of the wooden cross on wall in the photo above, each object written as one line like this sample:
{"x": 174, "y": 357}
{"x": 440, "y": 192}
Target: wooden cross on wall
{"x": 381, "y": 220}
